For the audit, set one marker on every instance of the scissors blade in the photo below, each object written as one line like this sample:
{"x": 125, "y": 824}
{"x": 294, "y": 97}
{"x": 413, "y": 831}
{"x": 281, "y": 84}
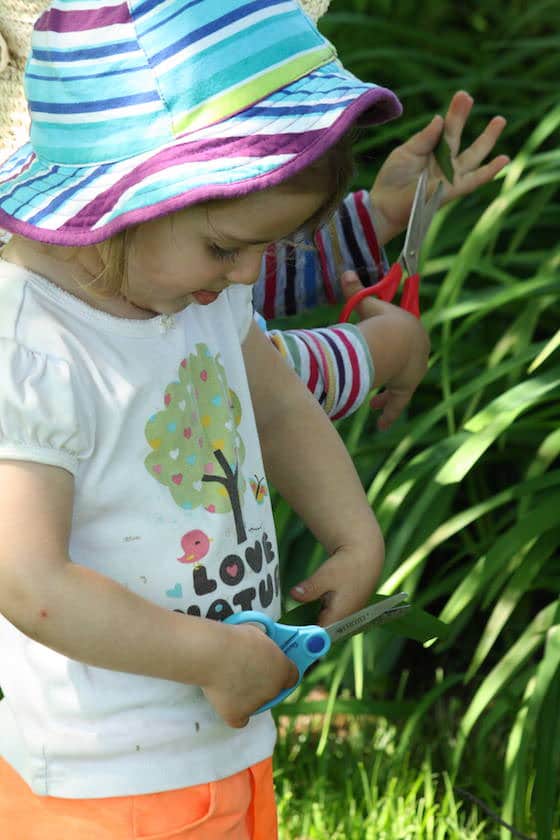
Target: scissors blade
{"x": 421, "y": 217}
{"x": 357, "y": 622}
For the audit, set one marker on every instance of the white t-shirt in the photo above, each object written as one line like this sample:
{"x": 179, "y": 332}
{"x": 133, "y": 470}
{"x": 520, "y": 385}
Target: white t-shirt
{"x": 154, "y": 420}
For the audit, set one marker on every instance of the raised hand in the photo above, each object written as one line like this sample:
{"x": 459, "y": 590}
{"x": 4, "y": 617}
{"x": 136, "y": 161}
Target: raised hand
{"x": 393, "y": 190}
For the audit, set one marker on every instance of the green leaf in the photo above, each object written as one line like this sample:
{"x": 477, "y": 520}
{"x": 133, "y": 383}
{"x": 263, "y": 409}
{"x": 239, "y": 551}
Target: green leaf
{"x": 493, "y": 420}
{"x": 519, "y": 585}
{"x": 546, "y": 790}
{"x": 504, "y": 550}
{"x": 523, "y": 733}
{"x": 458, "y": 523}
{"x": 442, "y": 154}
{"x": 522, "y": 651}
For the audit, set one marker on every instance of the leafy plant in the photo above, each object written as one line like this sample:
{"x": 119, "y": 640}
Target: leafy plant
{"x": 467, "y": 486}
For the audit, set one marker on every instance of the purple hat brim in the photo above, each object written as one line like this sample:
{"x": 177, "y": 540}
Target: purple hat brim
{"x": 101, "y": 213}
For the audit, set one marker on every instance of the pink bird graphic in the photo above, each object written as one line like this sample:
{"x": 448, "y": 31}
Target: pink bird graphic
{"x": 196, "y": 545}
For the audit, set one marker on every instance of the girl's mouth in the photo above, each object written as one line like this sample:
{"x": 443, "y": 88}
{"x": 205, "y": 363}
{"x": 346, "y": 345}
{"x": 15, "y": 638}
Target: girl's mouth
{"x": 204, "y": 297}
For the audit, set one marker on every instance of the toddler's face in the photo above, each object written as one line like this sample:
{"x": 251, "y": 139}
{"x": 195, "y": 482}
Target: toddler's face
{"x": 196, "y": 253}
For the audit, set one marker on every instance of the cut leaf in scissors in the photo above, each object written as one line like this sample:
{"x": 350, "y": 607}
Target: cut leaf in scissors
{"x": 442, "y": 154}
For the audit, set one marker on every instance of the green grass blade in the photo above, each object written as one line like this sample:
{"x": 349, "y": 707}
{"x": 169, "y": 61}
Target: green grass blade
{"x": 523, "y": 732}
{"x": 503, "y": 552}
{"x": 546, "y": 794}
{"x": 529, "y": 641}
{"x": 539, "y": 552}
{"x": 457, "y": 523}
{"x": 493, "y": 420}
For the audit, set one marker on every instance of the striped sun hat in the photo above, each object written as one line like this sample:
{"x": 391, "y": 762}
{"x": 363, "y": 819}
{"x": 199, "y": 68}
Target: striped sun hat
{"x": 142, "y": 107}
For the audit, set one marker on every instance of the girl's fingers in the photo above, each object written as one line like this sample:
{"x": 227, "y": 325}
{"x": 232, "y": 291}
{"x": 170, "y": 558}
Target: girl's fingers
{"x": 424, "y": 142}
{"x": 391, "y": 413}
{"x": 391, "y": 406}
{"x": 455, "y": 119}
{"x": 478, "y": 151}
{"x": 379, "y": 401}
{"x": 467, "y": 184}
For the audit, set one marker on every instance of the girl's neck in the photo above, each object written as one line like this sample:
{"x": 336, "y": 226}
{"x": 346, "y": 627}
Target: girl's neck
{"x": 71, "y": 269}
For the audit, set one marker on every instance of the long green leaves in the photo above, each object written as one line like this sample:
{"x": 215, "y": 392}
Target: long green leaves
{"x": 467, "y": 486}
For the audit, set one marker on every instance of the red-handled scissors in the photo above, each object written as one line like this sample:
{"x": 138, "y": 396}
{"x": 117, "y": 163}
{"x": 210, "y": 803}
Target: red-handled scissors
{"x": 421, "y": 217}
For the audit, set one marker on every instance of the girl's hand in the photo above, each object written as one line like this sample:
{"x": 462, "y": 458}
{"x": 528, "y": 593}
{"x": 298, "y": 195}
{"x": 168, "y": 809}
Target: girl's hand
{"x": 399, "y": 347}
{"x": 393, "y": 190}
{"x": 249, "y": 671}
{"x": 345, "y": 582}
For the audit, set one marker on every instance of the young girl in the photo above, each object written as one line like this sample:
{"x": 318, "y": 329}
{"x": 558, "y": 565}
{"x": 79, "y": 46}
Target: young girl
{"x": 171, "y": 142}
{"x": 335, "y": 362}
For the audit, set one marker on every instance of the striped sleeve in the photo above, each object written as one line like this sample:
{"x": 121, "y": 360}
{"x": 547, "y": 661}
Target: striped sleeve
{"x": 297, "y": 277}
{"x": 333, "y": 362}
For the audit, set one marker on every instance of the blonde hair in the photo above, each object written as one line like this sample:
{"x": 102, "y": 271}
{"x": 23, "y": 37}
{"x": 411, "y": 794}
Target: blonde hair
{"x": 112, "y": 281}
{"x": 330, "y": 174}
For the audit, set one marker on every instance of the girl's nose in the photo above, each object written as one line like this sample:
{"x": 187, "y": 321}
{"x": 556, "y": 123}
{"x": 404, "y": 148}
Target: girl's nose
{"x": 247, "y": 267}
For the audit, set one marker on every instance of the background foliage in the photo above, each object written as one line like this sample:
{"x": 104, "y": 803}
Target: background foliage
{"x": 467, "y": 486}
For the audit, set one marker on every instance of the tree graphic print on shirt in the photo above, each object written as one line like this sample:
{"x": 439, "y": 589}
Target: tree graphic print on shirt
{"x": 197, "y": 450}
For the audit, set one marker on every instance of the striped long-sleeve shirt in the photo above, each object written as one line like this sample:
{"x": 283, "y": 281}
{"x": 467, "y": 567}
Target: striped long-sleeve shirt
{"x": 334, "y": 362}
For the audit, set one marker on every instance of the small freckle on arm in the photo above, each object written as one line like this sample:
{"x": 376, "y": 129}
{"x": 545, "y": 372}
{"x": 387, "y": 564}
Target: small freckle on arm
{"x": 43, "y": 614}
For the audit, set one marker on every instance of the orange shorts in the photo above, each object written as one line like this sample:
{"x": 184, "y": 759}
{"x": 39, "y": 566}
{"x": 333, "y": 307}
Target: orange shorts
{"x": 241, "y": 807}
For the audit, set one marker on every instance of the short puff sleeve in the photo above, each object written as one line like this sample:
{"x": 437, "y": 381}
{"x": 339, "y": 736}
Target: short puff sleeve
{"x": 39, "y": 410}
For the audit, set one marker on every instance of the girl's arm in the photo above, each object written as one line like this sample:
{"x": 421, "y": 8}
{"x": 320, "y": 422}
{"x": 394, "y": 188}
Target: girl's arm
{"x": 295, "y": 278}
{"x": 341, "y": 364}
{"x": 307, "y": 462}
{"x": 365, "y": 222}
{"x": 338, "y": 364}
{"x": 91, "y": 618}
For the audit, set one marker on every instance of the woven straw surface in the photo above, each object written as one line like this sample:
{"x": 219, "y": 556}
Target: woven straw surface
{"x": 16, "y": 22}
{"x": 315, "y": 8}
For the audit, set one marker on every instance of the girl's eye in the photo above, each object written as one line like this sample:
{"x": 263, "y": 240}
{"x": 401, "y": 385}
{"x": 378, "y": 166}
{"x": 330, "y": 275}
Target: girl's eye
{"x": 222, "y": 254}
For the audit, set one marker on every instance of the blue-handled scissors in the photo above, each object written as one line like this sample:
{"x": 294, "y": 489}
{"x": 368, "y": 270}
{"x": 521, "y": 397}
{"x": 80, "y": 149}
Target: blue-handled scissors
{"x": 305, "y": 645}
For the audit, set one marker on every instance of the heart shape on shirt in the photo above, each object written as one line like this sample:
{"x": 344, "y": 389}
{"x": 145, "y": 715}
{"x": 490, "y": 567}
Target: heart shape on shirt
{"x": 176, "y": 592}
{"x": 174, "y": 454}
{"x": 177, "y": 479}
